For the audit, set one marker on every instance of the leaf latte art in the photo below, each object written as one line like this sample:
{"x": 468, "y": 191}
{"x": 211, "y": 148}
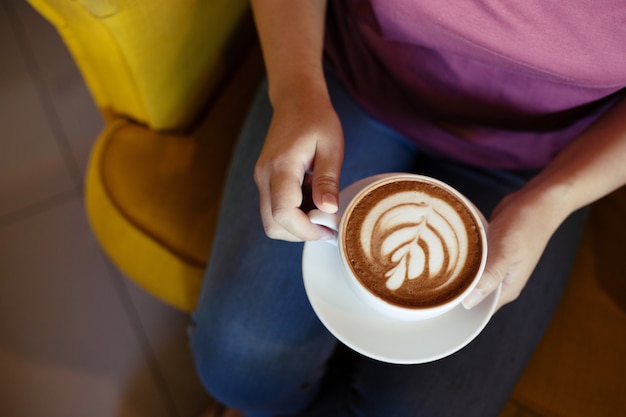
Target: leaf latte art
{"x": 413, "y": 243}
{"x": 425, "y": 240}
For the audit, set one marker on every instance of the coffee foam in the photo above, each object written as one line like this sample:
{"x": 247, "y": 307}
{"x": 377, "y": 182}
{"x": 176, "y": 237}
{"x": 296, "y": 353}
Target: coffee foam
{"x": 413, "y": 244}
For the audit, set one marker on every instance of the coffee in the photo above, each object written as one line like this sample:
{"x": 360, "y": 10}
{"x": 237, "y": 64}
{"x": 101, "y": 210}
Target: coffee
{"x": 412, "y": 243}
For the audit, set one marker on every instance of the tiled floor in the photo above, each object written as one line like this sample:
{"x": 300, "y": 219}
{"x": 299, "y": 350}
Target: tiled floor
{"x": 76, "y": 338}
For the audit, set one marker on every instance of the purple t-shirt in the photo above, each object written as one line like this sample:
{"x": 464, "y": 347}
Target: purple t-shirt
{"x": 503, "y": 84}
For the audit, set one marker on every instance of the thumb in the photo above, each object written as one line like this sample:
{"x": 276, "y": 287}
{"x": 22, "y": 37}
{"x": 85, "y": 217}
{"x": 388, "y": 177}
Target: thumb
{"x": 326, "y": 192}
{"x": 326, "y": 181}
{"x": 491, "y": 279}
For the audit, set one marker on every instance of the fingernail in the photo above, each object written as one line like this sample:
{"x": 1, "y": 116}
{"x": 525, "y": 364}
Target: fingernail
{"x": 474, "y": 297}
{"x": 329, "y": 200}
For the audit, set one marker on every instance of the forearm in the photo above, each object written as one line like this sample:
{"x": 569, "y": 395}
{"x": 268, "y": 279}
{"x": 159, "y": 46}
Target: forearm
{"x": 522, "y": 224}
{"x": 590, "y": 167}
{"x": 305, "y": 135}
{"x": 292, "y": 37}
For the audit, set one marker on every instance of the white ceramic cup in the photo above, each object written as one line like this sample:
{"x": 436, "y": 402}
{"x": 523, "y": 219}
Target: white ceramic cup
{"x": 338, "y": 223}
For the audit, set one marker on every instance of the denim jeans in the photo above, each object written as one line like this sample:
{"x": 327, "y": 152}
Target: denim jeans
{"x": 259, "y": 347}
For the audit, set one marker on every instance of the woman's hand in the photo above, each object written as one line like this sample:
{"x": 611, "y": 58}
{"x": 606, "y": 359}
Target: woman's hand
{"x": 587, "y": 169}
{"x": 519, "y": 230}
{"x": 305, "y": 137}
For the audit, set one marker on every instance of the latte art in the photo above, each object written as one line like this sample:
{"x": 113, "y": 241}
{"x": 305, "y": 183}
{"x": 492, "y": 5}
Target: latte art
{"x": 413, "y": 244}
{"x": 422, "y": 240}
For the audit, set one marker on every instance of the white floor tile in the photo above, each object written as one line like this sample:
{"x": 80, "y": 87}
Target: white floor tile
{"x": 40, "y": 388}
{"x": 166, "y": 330}
{"x": 67, "y": 340}
{"x": 32, "y": 167}
{"x": 79, "y": 119}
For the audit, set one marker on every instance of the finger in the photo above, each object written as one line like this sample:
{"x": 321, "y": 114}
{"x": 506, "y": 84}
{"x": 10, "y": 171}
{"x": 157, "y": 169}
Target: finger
{"x": 326, "y": 172}
{"x": 488, "y": 283}
{"x": 287, "y": 221}
{"x": 272, "y": 229}
{"x": 262, "y": 178}
{"x": 514, "y": 281}
{"x": 494, "y": 274}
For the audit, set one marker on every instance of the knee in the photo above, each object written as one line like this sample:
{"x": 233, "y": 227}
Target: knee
{"x": 248, "y": 366}
{"x": 219, "y": 351}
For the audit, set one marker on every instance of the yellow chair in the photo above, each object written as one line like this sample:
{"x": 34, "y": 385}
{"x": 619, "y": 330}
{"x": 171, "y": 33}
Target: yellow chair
{"x": 173, "y": 79}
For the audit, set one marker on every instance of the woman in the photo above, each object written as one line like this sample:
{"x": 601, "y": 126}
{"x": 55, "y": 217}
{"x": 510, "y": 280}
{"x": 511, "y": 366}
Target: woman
{"x": 517, "y": 106}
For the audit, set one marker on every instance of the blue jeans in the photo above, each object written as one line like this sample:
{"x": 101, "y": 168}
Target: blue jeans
{"x": 259, "y": 347}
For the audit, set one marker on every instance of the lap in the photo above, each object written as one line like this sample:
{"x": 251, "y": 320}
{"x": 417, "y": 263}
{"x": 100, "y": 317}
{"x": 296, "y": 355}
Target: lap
{"x": 255, "y": 330}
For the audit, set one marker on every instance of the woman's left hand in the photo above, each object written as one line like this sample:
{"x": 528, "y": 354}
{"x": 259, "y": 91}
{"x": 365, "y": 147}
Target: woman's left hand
{"x": 587, "y": 169}
{"x": 519, "y": 230}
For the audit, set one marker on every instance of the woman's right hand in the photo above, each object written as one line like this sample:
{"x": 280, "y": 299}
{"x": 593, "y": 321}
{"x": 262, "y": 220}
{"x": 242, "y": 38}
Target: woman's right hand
{"x": 305, "y": 137}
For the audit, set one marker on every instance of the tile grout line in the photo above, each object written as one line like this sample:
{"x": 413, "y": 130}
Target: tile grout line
{"x": 45, "y": 99}
{"x": 33, "y": 70}
{"x": 133, "y": 315}
{"x": 37, "y": 207}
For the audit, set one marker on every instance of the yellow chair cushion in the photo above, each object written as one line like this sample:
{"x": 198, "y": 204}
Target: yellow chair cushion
{"x": 153, "y": 61}
{"x": 152, "y": 198}
{"x": 157, "y": 170}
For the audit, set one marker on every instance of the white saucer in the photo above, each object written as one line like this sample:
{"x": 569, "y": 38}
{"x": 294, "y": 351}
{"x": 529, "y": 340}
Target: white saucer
{"x": 373, "y": 334}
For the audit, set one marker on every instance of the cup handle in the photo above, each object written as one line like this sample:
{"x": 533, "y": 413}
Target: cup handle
{"x": 329, "y": 220}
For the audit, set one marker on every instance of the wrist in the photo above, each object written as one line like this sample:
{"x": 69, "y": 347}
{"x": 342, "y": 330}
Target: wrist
{"x": 298, "y": 87}
{"x": 553, "y": 201}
